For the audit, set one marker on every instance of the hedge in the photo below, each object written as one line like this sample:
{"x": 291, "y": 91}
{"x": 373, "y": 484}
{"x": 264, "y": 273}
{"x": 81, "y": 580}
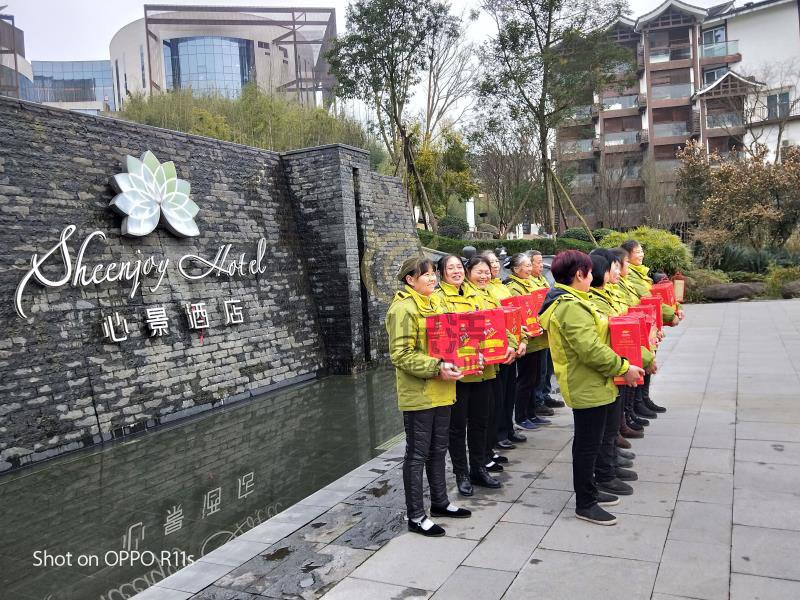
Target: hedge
{"x": 663, "y": 251}
{"x": 545, "y": 246}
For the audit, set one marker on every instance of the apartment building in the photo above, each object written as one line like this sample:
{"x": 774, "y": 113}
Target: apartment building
{"x": 725, "y": 75}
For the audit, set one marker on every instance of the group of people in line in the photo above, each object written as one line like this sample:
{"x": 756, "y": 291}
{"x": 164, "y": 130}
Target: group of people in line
{"x": 476, "y": 417}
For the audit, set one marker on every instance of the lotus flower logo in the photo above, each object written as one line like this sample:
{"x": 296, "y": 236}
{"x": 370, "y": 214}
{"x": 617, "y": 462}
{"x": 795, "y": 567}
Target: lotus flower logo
{"x": 151, "y": 192}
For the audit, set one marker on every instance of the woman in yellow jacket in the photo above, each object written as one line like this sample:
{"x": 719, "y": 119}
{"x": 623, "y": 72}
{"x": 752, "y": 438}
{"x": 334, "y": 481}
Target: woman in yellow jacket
{"x": 506, "y": 382}
{"x": 521, "y": 283}
{"x": 425, "y": 394}
{"x": 473, "y": 392}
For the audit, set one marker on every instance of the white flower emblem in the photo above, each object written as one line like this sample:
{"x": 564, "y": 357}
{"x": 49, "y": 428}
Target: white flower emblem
{"x": 151, "y": 192}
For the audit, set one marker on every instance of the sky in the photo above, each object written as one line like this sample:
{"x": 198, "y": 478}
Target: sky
{"x": 82, "y": 29}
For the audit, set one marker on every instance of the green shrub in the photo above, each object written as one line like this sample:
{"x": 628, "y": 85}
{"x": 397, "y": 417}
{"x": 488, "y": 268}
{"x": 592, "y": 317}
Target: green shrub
{"x": 745, "y": 276}
{"x": 699, "y": 279}
{"x": 778, "y": 276}
{"x": 543, "y": 245}
{"x": 740, "y": 258}
{"x": 488, "y": 228}
{"x": 601, "y": 233}
{"x": 573, "y": 244}
{"x": 663, "y": 251}
{"x": 575, "y": 233}
{"x": 453, "y": 227}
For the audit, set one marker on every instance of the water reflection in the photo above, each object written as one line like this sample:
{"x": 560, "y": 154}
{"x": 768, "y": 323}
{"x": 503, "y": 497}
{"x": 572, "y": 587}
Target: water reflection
{"x": 189, "y": 488}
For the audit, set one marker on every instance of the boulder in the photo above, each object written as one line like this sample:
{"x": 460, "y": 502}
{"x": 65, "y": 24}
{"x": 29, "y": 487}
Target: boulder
{"x": 724, "y": 292}
{"x": 790, "y": 290}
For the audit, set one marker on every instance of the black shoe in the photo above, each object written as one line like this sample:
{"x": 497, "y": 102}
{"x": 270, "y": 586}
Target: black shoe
{"x": 596, "y": 514}
{"x": 653, "y": 406}
{"x": 459, "y": 513}
{"x": 493, "y": 467}
{"x": 499, "y": 458}
{"x": 621, "y": 461}
{"x": 543, "y": 411}
{"x": 640, "y": 420}
{"x": 464, "y": 485}
{"x": 642, "y": 410}
{"x": 625, "y": 453}
{"x": 553, "y": 403}
{"x": 517, "y": 438}
{"x": 626, "y": 474}
{"x": 603, "y": 499}
{"x": 481, "y": 477}
{"x": 505, "y": 445}
{"x": 615, "y": 486}
{"x": 433, "y": 531}
{"x": 633, "y": 423}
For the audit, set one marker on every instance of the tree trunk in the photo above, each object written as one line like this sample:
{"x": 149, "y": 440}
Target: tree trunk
{"x": 419, "y": 187}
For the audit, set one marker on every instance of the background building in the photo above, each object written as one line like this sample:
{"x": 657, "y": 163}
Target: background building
{"x": 214, "y": 49}
{"x": 725, "y": 76}
{"x": 83, "y": 85}
{"x": 16, "y": 74}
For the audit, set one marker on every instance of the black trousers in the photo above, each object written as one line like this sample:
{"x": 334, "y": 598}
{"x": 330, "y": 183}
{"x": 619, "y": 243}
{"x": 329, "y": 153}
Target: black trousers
{"x": 494, "y": 411}
{"x": 605, "y": 468}
{"x": 590, "y": 427}
{"x": 427, "y": 435}
{"x": 528, "y": 374}
{"x": 507, "y": 382}
{"x": 468, "y": 419}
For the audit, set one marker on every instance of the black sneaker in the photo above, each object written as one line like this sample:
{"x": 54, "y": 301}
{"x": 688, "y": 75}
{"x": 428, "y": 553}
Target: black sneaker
{"x": 653, "y": 406}
{"x": 615, "y": 486}
{"x": 505, "y": 445}
{"x": 596, "y": 514}
{"x": 517, "y": 438}
{"x": 640, "y": 420}
{"x": 459, "y": 513}
{"x": 625, "y": 453}
{"x": 603, "y": 499}
{"x": 433, "y": 529}
{"x": 642, "y": 410}
{"x": 553, "y": 403}
{"x": 499, "y": 458}
{"x": 543, "y": 411}
{"x": 493, "y": 467}
{"x": 626, "y": 474}
{"x": 621, "y": 461}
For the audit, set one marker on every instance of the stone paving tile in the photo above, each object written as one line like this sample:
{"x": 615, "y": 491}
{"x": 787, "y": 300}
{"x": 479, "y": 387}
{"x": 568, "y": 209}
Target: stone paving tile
{"x": 350, "y": 588}
{"x": 663, "y": 445}
{"x": 533, "y": 461}
{"x": 553, "y": 575}
{"x": 156, "y": 592}
{"x": 766, "y": 508}
{"x": 762, "y": 476}
{"x": 538, "y": 506}
{"x": 707, "y": 487}
{"x": 416, "y": 561}
{"x": 235, "y": 552}
{"x": 485, "y": 514}
{"x": 194, "y": 577}
{"x": 776, "y": 453}
{"x": 778, "y": 432}
{"x": 557, "y": 476}
{"x": 634, "y": 536}
{"x": 766, "y": 552}
{"x": 649, "y": 499}
{"x": 694, "y": 569}
{"x": 701, "y": 522}
{"x": 506, "y": 547}
{"x": 750, "y": 587}
{"x": 661, "y": 469}
{"x": 714, "y": 436}
{"x": 468, "y": 582}
{"x": 710, "y": 460}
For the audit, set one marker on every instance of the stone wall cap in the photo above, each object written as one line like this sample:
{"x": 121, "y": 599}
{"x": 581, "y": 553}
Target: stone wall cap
{"x": 325, "y": 147}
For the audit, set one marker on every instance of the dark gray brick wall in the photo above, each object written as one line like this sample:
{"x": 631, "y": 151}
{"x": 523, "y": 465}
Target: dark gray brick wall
{"x": 63, "y": 388}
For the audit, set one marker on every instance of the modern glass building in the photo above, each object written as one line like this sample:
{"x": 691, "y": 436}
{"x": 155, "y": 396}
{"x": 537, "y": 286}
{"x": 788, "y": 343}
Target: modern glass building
{"x": 213, "y": 49}
{"x": 85, "y": 86}
{"x": 15, "y": 70}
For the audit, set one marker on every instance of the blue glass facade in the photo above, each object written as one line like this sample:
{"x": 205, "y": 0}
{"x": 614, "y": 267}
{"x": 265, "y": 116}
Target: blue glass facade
{"x": 208, "y": 64}
{"x": 7, "y": 80}
{"x": 73, "y": 81}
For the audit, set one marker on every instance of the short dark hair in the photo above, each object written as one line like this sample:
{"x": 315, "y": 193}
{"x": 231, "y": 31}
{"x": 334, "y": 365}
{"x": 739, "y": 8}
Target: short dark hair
{"x": 630, "y": 245}
{"x": 608, "y": 254}
{"x": 658, "y": 276}
{"x": 441, "y": 264}
{"x": 475, "y": 261}
{"x": 621, "y": 254}
{"x": 566, "y": 265}
{"x": 600, "y": 266}
{"x": 415, "y": 266}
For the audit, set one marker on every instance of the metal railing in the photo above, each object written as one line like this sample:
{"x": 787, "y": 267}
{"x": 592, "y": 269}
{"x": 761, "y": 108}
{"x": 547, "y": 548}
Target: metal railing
{"x": 620, "y": 138}
{"x": 719, "y": 49}
{"x": 575, "y": 146}
{"x": 581, "y": 112}
{"x": 619, "y": 102}
{"x": 678, "y": 90}
{"x": 670, "y": 129}
{"x": 624, "y": 173}
{"x": 729, "y": 119}
{"x": 674, "y": 52}
{"x": 776, "y": 112}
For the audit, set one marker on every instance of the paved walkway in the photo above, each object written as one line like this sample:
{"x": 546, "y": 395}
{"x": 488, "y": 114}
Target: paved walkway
{"x": 715, "y": 513}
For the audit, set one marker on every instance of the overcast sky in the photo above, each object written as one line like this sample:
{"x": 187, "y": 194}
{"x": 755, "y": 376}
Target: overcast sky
{"x": 82, "y": 29}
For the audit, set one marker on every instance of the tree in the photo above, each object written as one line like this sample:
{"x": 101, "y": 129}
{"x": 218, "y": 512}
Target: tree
{"x": 381, "y": 58}
{"x": 661, "y": 209}
{"x": 694, "y": 178}
{"x": 507, "y": 163}
{"x": 547, "y": 57}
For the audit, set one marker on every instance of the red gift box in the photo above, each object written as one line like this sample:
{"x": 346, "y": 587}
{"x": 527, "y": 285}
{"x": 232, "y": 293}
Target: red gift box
{"x": 650, "y": 314}
{"x": 456, "y": 338}
{"x": 530, "y": 304}
{"x": 656, "y": 302}
{"x": 626, "y": 340}
{"x": 645, "y": 328}
{"x": 514, "y": 321}
{"x": 495, "y": 343}
{"x": 666, "y": 291}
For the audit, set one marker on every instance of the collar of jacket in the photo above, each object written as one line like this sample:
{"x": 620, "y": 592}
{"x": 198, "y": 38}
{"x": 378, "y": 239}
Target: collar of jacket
{"x": 496, "y": 281}
{"x": 571, "y": 290}
{"x": 539, "y": 281}
{"x": 526, "y": 283}
{"x": 451, "y": 290}
{"x": 640, "y": 271}
{"x": 425, "y": 304}
{"x": 601, "y": 293}
{"x": 470, "y": 289}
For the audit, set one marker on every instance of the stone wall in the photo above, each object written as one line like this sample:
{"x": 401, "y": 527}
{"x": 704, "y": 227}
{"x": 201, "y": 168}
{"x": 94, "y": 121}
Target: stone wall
{"x": 322, "y": 212}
